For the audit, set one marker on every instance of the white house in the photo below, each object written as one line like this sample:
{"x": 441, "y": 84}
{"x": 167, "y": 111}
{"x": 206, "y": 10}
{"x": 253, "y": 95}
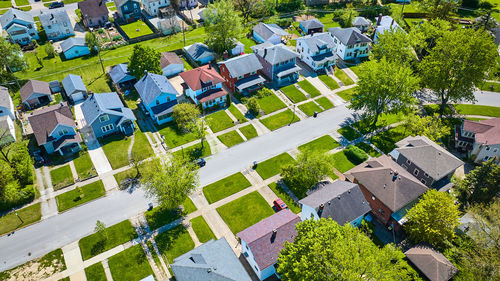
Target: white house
{"x": 361, "y": 23}
{"x": 6, "y": 104}
{"x": 351, "y": 43}
{"x": 264, "y": 32}
{"x": 479, "y": 139}
{"x": 74, "y": 87}
{"x": 171, "y": 64}
{"x": 56, "y": 24}
{"x": 152, "y": 7}
{"x": 317, "y": 50}
{"x": 385, "y": 23}
{"x": 19, "y": 25}
{"x": 7, "y": 117}
{"x": 167, "y": 25}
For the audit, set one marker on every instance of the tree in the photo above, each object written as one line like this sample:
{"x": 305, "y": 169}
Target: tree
{"x": 324, "y": 250}
{"x": 480, "y": 185}
{"x": 253, "y": 105}
{"x": 12, "y": 59}
{"x": 222, "y": 25}
{"x": 50, "y": 51}
{"x": 433, "y": 219}
{"x": 439, "y": 8}
{"x": 384, "y": 86}
{"x": 486, "y": 22}
{"x": 395, "y": 46}
{"x": 144, "y": 59}
{"x": 184, "y": 114}
{"x": 427, "y": 34}
{"x": 200, "y": 130}
{"x": 170, "y": 182}
{"x": 135, "y": 161}
{"x": 348, "y": 16}
{"x": 100, "y": 228}
{"x": 460, "y": 60}
{"x": 432, "y": 127}
{"x": 245, "y": 7}
{"x": 92, "y": 42}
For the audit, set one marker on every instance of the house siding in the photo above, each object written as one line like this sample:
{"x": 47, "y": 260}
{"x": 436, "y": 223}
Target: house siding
{"x": 8, "y": 111}
{"x": 352, "y": 51}
{"x": 308, "y": 212}
{"x": 130, "y": 11}
{"x": 306, "y": 56}
{"x": 194, "y": 96}
{"x": 402, "y": 161}
{"x": 24, "y": 33}
{"x": 310, "y": 31}
{"x": 261, "y": 274}
{"x": 49, "y": 146}
{"x": 59, "y": 30}
{"x": 481, "y": 151}
{"x": 95, "y": 21}
{"x": 173, "y": 69}
{"x": 163, "y": 98}
{"x": 76, "y": 51}
{"x": 152, "y": 7}
{"x": 97, "y": 125}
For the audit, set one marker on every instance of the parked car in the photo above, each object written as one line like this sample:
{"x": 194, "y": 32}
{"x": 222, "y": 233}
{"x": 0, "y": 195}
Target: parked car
{"x": 37, "y": 156}
{"x": 200, "y": 162}
{"x": 54, "y": 5}
{"x": 279, "y": 205}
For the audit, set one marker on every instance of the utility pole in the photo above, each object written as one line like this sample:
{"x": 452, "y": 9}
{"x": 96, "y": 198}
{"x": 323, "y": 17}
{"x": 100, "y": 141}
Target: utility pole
{"x": 183, "y": 34}
{"x": 98, "y": 48}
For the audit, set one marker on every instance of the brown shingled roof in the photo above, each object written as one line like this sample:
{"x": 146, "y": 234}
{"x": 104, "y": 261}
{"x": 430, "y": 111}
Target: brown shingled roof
{"x": 33, "y": 86}
{"x": 203, "y": 74}
{"x": 487, "y": 131}
{"x": 93, "y": 8}
{"x": 44, "y": 121}
{"x": 434, "y": 265}
{"x": 168, "y": 58}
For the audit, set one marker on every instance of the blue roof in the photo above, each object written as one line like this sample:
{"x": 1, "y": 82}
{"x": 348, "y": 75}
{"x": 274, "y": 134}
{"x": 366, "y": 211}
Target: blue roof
{"x": 73, "y": 83}
{"x": 198, "y": 51}
{"x": 152, "y": 85}
{"x": 72, "y": 42}
{"x": 105, "y": 103}
{"x": 120, "y": 74}
{"x": 163, "y": 108}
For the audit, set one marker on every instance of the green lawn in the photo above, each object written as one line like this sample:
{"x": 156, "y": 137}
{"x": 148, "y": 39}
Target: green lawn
{"x": 385, "y": 141}
{"x": 22, "y": 2}
{"x": 28, "y": 216}
{"x": 272, "y": 166}
{"x": 174, "y": 137}
{"x": 365, "y": 125}
{"x": 321, "y": 144}
{"x": 130, "y": 265}
{"x": 84, "y": 166}
{"x": 188, "y": 206}
{"x": 5, "y": 4}
{"x": 136, "y": 29}
{"x": 95, "y": 272}
{"x": 309, "y": 88}
{"x": 278, "y": 190}
{"x": 348, "y": 94}
{"x": 116, "y": 150}
{"x": 202, "y": 230}
{"x": 230, "y": 138}
{"x": 473, "y": 109}
{"x": 248, "y": 131}
{"x": 141, "y": 148}
{"x": 195, "y": 151}
{"x": 279, "y": 120}
{"x": 129, "y": 173}
{"x": 61, "y": 177}
{"x": 324, "y": 102}
{"x": 245, "y": 211}
{"x": 73, "y": 198}
{"x": 160, "y": 216}
{"x": 309, "y": 108}
{"x": 349, "y": 133}
{"x": 368, "y": 149}
{"x": 174, "y": 242}
{"x": 329, "y": 81}
{"x": 341, "y": 162}
{"x": 294, "y": 94}
{"x": 490, "y": 86}
{"x": 271, "y": 103}
{"x": 237, "y": 113}
{"x": 117, "y": 234}
{"x": 346, "y": 80}
{"x": 225, "y": 187}
{"x": 219, "y": 121}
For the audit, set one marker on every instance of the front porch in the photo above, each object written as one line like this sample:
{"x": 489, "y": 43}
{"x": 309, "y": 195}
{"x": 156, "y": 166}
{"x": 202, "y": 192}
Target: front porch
{"x": 287, "y": 76}
{"x": 250, "y": 84}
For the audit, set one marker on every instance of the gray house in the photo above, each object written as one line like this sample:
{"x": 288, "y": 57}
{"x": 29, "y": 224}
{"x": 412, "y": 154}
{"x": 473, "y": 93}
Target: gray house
{"x": 128, "y": 10}
{"x": 214, "y": 260}
{"x": 121, "y": 76}
{"x": 106, "y": 115}
{"x": 278, "y": 63}
{"x": 35, "y": 93}
{"x": 200, "y": 53}
{"x": 74, "y": 87}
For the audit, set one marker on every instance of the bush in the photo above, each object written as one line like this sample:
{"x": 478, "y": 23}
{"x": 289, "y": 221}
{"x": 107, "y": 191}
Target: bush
{"x": 264, "y": 92}
{"x": 100, "y": 30}
{"x": 355, "y": 154}
{"x": 253, "y": 105}
{"x": 117, "y": 38}
{"x": 284, "y": 23}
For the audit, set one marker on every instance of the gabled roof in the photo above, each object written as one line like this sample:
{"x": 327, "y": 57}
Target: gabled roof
{"x": 361, "y": 21}
{"x": 318, "y": 41}
{"x": 73, "y": 83}
{"x": 274, "y": 53}
{"x": 386, "y": 23}
{"x": 152, "y": 85}
{"x": 433, "y": 159}
{"x": 119, "y": 3}
{"x": 33, "y": 86}
{"x": 213, "y": 260}
{"x": 311, "y": 24}
{"x": 12, "y": 13}
{"x": 198, "y": 50}
{"x": 5, "y": 99}
{"x": 72, "y": 42}
{"x": 44, "y": 120}
{"x": 267, "y": 30}
{"x": 241, "y": 65}
{"x": 194, "y": 78}
{"x": 93, "y": 8}
{"x": 341, "y": 200}
{"x": 119, "y": 73}
{"x": 434, "y": 265}
{"x": 387, "y": 181}
{"x": 168, "y": 58}
{"x": 52, "y": 17}
{"x": 349, "y": 36}
{"x": 105, "y": 103}
{"x": 266, "y": 244}
{"x": 486, "y": 131}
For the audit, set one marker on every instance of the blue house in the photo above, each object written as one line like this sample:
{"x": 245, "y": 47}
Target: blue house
{"x": 278, "y": 63}
{"x": 56, "y": 24}
{"x": 158, "y": 96}
{"x": 203, "y": 85}
{"x": 74, "y": 47}
{"x": 199, "y": 53}
{"x": 311, "y": 26}
{"x": 121, "y": 76}
{"x": 19, "y": 25}
{"x": 264, "y": 32}
{"x": 128, "y": 10}
{"x": 106, "y": 115}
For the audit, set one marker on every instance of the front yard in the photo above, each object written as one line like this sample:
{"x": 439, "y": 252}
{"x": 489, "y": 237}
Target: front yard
{"x": 280, "y": 119}
{"x": 174, "y": 242}
{"x": 368, "y": 149}
{"x": 73, "y": 198}
{"x": 346, "y": 80}
{"x": 270, "y": 103}
{"x": 385, "y": 141}
{"x": 309, "y": 88}
{"x": 202, "y": 230}
{"x": 160, "y": 216}
{"x": 365, "y": 125}
{"x": 237, "y": 113}
{"x": 136, "y": 29}
{"x": 272, "y": 166}
{"x": 321, "y": 144}
{"x": 28, "y": 215}
{"x": 324, "y": 102}
{"x": 219, "y": 121}
{"x": 294, "y": 94}
{"x": 348, "y": 94}
{"x": 248, "y": 131}
{"x": 230, "y": 138}
{"x": 130, "y": 264}
{"x": 225, "y": 187}
{"x": 61, "y": 177}
{"x": 349, "y": 133}
{"x": 116, "y": 150}
{"x": 141, "y": 148}
{"x": 95, "y": 272}
{"x": 329, "y": 82}
{"x": 309, "y": 108}
{"x": 194, "y": 151}
{"x": 84, "y": 167}
{"x": 174, "y": 137}
{"x": 341, "y": 162}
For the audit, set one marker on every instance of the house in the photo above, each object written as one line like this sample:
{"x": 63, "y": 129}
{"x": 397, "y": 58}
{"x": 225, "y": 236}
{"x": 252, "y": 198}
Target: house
{"x": 311, "y": 26}
{"x": 204, "y": 86}
{"x": 7, "y": 130}
{"x": 106, "y": 115}
{"x": 262, "y": 242}
{"x": 479, "y": 139}
{"x": 74, "y": 47}
{"x": 167, "y": 25}
{"x": 19, "y": 25}
{"x": 278, "y": 63}
{"x": 317, "y": 51}
{"x": 74, "y": 88}
{"x": 361, "y": 23}
{"x": 351, "y": 43}
{"x": 56, "y": 24}
{"x": 385, "y": 23}
{"x": 55, "y": 86}
{"x": 158, "y": 96}
{"x": 213, "y": 260}
{"x": 6, "y": 104}
{"x": 239, "y": 48}
{"x": 430, "y": 163}
{"x": 121, "y": 76}
{"x": 188, "y": 4}
{"x": 128, "y": 10}
{"x": 35, "y": 93}
{"x": 390, "y": 190}
{"x": 199, "y": 53}
{"x": 431, "y": 263}
{"x": 341, "y": 201}
{"x": 54, "y": 129}
{"x": 94, "y": 12}
{"x": 152, "y": 7}
{"x": 241, "y": 73}
{"x": 272, "y": 33}
{"x": 171, "y": 63}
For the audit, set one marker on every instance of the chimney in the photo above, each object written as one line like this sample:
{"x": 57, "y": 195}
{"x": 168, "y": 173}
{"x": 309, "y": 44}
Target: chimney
{"x": 273, "y": 236}
{"x": 265, "y": 52}
{"x": 15, "y": 16}
{"x": 51, "y": 16}
{"x": 209, "y": 66}
{"x": 392, "y": 22}
{"x": 379, "y": 19}
{"x": 320, "y": 211}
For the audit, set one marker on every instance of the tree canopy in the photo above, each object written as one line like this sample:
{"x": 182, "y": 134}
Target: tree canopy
{"x": 480, "y": 185}
{"x": 430, "y": 126}
{"x": 395, "y": 46}
{"x": 12, "y": 59}
{"x": 144, "y": 59}
{"x": 184, "y": 114}
{"x": 439, "y": 8}
{"x": 425, "y": 36}
{"x": 222, "y": 25}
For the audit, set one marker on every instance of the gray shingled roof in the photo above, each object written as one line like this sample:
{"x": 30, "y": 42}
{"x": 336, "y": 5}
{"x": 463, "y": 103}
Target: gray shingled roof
{"x": 198, "y": 50}
{"x": 52, "y": 17}
{"x": 12, "y": 13}
{"x": 151, "y": 85}
{"x": 311, "y": 24}
{"x": 241, "y": 65}
{"x": 119, "y": 73}
{"x": 361, "y": 21}
{"x": 349, "y": 36}
{"x": 342, "y": 201}
{"x": 73, "y": 83}
{"x": 5, "y": 98}
{"x": 214, "y": 261}
{"x": 267, "y": 30}
{"x": 71, "y": 42}
{"x": 105, "y": 103}
{"x": 318, "y": 41}
{"x": 275, "y": 53}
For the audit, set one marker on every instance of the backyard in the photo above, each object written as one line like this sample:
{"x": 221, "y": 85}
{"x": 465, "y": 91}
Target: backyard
{"x": 136, "y": 29}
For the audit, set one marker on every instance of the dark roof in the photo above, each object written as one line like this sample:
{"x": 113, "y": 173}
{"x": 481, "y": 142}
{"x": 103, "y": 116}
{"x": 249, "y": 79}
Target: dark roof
{"x": 194, "y": 78}
{"x": 486, "y": 131}
{"x": 168, "y": 58}
{"x": 267, "y": 30}
{"x": 342, "y": 201}
{"x": 386, "y": 180}
{"x": 119, "y": 73}
{"x": 311, "y": 24}
{"x": 274, "y": 53}
{"x": 349, "y": 36}
{"x": 198, "y": 51}
{"x": 434, "y": 265}
{"x": 152, "y": 85}
{"x": 241, "y": 65}
{"x": 264, "y": 243}
{"x": 213, "y": 260}
{"x": 34, "y": 86}
{"x": 163, "y": 108}
{"x": 71, "y": 42}
{"x": 211, "y": 95}
{"x": 93, "y": 8}
{"x": 44, "y": 121}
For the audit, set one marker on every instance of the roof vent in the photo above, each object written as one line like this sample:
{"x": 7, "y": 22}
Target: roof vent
{"x": 385, "y": 185}
{"x": 209, "y": 270}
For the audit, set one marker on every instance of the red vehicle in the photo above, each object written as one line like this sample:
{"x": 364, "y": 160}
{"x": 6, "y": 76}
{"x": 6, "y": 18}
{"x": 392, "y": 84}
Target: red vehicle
{"x": 279, "y": 205}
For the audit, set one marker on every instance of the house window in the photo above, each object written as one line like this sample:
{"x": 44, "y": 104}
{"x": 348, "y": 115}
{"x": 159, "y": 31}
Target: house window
{"x": 487, "y": 148}
{"x": 157, "y": 102}
{"x": 426, "y": 175}
{"x": 380, "y": 210}
{"x": 65, "y": 24}
{"x": 256, "y": 268}
{"x": 405, "y": 167}
{"x": 408, "y": 162}
{"x": 495, "y": 150}
{"x": 415, "y": 172}
{"x": 423, "y": 181}
{"x": 104, "y": 118}
{"x": 486, "y": 158}
{"x": 373, "y": 197}
{"x": 107, "y": 128}
{"x": 168, "y": 98}
{"x": 63, "y": 131}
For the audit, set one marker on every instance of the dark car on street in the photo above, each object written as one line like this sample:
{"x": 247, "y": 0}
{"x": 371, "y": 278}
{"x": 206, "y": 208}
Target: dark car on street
{"x": 54, "y": 5}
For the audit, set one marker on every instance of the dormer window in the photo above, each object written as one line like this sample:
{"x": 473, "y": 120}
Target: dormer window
{"x": 104, "y": 118}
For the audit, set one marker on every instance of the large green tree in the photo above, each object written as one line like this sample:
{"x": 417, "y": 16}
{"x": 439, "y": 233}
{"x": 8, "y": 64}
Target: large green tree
{"x": 481, "y": 185}
{"x": 184, "y": 114}
{"x": 324, "y": 250}
{"x": 384, "y": 86}
{"x": 12, "y": 59}
{"x": 144, "y": 59}
{"x": 430, "y": 126}
{"x": 433, "y": 219}
{"x": 222, "y": 25}
{"x": 460, "y": 60}
{"x": 395, "y": 45}
{"x": 425, "y": 36}
{"x": 439, "y": 8}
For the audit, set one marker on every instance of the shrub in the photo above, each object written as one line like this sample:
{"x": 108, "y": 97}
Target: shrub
{"x": 355, "y": 154}
{"x": 101, "y": 31}
{"x": 117, "y": 38}
{"x": 284, "y": 23}
{"x": 264, "y": 92}
{"x": 253, "y": 105}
